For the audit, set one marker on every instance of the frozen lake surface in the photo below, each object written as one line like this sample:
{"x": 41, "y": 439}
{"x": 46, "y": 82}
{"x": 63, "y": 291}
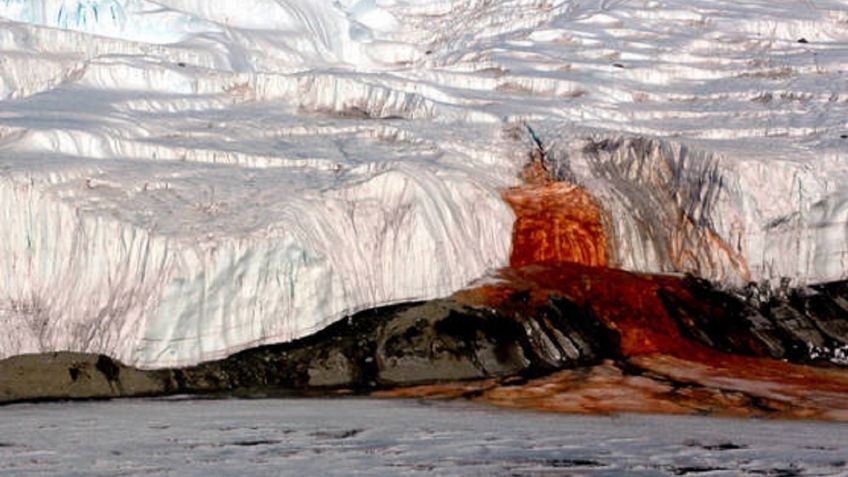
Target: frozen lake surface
{"x": 372, "y": 437}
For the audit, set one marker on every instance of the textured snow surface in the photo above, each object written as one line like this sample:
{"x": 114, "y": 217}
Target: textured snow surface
{"x": 365, "y": 437}
{"x": 182, "y": 179}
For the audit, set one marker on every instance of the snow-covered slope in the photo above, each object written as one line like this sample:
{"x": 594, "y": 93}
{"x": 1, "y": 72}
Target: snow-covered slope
{"x": 181, "y": 179}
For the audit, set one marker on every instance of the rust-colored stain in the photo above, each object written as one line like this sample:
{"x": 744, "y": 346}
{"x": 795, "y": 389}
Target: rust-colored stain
{"x": 661, "y": 384}
{"x": 626, "y": 302}
{"x": 688, "y": 238}
{"x": 554, "y": 222}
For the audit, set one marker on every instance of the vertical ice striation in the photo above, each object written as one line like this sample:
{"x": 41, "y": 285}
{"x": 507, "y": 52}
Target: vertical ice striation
{"x": 181, "y": 179}
{"x": 174, "y": 264}
{"x": 672, "y": 207}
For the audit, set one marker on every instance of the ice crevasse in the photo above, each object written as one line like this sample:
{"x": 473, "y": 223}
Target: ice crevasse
{"x": 180, "y": 179}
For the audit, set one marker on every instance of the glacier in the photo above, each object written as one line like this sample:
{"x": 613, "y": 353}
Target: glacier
{"x": 183, "y": 179}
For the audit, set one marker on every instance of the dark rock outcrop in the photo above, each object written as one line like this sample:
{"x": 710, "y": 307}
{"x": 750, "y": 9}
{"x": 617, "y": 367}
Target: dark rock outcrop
{"x": 417, "y": 343}
{"x": 805, "y": 325}
{"x": 386, "y": 347}
{"x": 53, "y": 376}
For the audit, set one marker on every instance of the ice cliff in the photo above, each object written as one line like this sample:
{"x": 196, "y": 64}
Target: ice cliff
{"x": 182, "y": 179}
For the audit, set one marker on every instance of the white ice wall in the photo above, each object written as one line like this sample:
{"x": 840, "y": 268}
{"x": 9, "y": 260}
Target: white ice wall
{"x": 174, "y": 294}
{"x": 181, "y": 179}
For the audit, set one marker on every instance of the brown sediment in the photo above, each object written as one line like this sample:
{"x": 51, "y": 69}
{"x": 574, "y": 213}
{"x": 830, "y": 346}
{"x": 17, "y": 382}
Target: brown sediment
{"x": 660, "y": 384}
{"x": 666, "y": 384}
{"x": 790, "y": 390}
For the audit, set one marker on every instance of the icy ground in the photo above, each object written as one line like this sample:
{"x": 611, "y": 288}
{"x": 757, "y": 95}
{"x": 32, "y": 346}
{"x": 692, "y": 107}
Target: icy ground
{"x": 366, "y": 437}
{"x": 183, "y": 179}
